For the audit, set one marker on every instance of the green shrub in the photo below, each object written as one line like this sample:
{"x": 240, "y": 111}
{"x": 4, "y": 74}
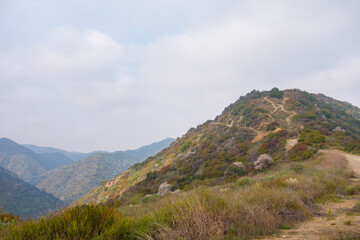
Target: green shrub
{"x": 245, "y": 182}
{"x": 80, "y": 222}
{"x": 311, "y": 137}
{"x": 276, "y": 93}
{"x": 298, "y": 168}
{"x": 352, "y": 190}
{"x": 185, "y": 146}
{"x": 234, "y": 170}
{"x": 301, "y": 152}
{"x": 356, "y": 207}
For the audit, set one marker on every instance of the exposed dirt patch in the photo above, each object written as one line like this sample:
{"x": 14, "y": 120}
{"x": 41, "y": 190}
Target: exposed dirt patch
{"x": 290, "y": 143}
{"x": 336, "y": 220}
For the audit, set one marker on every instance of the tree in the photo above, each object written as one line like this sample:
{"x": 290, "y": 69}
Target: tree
{"x": 276, "y": 93}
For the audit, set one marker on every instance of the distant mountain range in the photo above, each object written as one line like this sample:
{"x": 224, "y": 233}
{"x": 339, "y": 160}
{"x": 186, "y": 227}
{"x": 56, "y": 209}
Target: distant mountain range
{"x": 74, "y": 156}
{"x": 24, "y": 199}
{"x": 27, "y": 164}
{"x": 72, "y": 181}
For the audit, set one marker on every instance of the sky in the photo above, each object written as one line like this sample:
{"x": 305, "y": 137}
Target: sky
{"x": 113, "y": 75}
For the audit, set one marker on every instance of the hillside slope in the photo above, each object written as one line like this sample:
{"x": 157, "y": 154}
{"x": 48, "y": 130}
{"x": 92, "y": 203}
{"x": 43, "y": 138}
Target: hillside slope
{"x": 25, "y": 163}
{"x": 24, "y": 199}
{"x": 258, "y": 123}
{"x": 72, "y": 181}
{"x": 20, "y": 160}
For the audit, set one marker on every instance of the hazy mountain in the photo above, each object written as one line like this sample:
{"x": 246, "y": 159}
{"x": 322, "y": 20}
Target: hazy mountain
{"x": 27, "y": 164}
{"x": 74, "y": 180}
{"x": 24, "y": 199}
{"x": 258, "y": 123}
{"x": 19, "y": 160}
{"x": 74, "y": 156}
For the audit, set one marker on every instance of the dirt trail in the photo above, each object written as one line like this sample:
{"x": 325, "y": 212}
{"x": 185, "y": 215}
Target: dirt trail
{"x": 281, "y": 106}
{"x": 329, "y": 226}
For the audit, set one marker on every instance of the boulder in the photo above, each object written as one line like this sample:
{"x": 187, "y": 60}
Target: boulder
{"x": 164, "y": 189}
{"x": 338, "y": 129}
{"x": 262, "y": 162}
{"x": 238, "y": 164}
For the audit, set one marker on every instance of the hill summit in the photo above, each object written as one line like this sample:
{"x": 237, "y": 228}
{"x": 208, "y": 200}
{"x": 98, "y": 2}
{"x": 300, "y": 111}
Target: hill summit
{"x": 249, "y": 135}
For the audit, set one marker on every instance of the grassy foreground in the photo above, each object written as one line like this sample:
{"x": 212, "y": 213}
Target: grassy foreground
{"x": 241, "y": 210}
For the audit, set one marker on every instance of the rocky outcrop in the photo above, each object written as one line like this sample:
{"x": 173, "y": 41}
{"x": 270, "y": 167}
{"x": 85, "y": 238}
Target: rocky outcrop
{"x": 262, "y": 162}
{"x": 238, "y": 164}
{"x": 164, "y": 189}
{"x": 338, "y": 129}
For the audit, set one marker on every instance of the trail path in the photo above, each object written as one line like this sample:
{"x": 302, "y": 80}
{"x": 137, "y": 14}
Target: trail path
{"x": 323, "y": 227}
{"x": 281, "y": 106}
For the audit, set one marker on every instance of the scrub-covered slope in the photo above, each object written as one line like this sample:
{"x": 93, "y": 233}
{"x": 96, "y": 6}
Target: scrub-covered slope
{"x": 72, "y": 181}
{"x": 221, "y": 150}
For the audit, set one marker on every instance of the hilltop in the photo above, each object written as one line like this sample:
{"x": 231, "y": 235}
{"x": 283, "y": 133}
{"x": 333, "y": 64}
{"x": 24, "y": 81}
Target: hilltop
{"x": 258, "y": 123}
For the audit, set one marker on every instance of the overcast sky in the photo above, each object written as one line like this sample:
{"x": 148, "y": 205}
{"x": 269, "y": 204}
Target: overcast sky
{"x": 112, "y": 75}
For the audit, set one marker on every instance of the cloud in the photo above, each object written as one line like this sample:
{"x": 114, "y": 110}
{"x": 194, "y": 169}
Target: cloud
{"x": 87, "y": 85}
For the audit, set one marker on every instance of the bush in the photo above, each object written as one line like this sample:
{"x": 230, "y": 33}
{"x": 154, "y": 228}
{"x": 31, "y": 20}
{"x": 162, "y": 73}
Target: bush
{"x": 276, "y": 93}
{"x": 234, "y": 170}
{"x": 245, "y": 182}
{"x": 298, "y": 168}
{"x": 81, "y": 222}
{"x": 352, "y": 190}
{"x": 301, "y": 152}
{"x": 311, "y": 137}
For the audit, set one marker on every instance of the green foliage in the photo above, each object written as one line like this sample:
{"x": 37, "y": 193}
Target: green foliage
{"x": 8, "y": 218}
{"x": 81, "y": 222}
{"x": 234, "y": 170}
{"x": 352, "y": 190}
{"x": 272, "y": 126}
{"x": 24, "y": 199}
{"x": 274, "y": 142}
{"x": 301, "y": 152}
{"x": 356, "y": 207}
{"x": 276, "y": 93}
{"x": 298, "y": 168}
{"x": 245, "y": 182}
{"x": 185, "y": 146}
{"x": 238, "y": 108}
{"x": 352, "y": 146}
{"x": 311, "y": 137}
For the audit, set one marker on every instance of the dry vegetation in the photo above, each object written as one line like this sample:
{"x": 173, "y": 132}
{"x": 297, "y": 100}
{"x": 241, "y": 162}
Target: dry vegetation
{"x": 249, "y": 207}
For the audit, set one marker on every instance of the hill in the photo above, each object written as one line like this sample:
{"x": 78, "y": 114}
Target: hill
{"x": 74, "y": 156}
{"x": 27, "y": 164}
{"x": 24, "y": 199}
{"x": 221, "y": 150}
{"x": 72, "y": 181}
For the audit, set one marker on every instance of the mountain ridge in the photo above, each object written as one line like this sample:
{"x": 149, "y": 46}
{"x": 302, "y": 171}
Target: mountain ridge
{"x": 258, "y": 123}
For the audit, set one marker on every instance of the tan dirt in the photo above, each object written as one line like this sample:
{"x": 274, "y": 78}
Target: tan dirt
{"x": 290, "y": 143}
{"x": 329, "y": 226}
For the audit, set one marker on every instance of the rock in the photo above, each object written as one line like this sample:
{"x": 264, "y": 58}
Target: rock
{"x": 148, "y": 195}
{"x": 164, "y": 189}
{"x": 238, "y": 164}
{"x": 262, "y": 162}
{"x": 338, "y": 129}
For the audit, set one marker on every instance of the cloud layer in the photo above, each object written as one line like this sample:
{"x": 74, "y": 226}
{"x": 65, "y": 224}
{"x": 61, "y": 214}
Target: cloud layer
{"x": 114, "y": 80}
